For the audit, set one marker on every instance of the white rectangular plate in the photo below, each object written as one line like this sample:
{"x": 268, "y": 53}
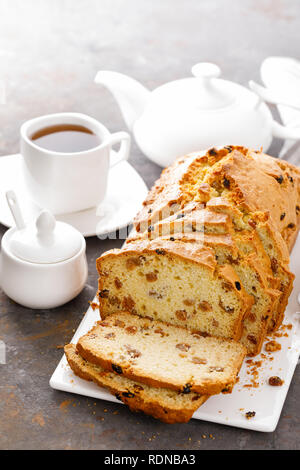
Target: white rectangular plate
{"x": 230, "y": 409}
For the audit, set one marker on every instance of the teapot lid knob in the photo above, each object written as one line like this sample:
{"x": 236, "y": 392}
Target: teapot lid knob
{"x": 206, "y": 70}
{"x": 212, "y": 93}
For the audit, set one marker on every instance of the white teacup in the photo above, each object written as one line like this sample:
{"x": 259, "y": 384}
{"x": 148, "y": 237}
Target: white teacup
{"x": 69, "y": 182}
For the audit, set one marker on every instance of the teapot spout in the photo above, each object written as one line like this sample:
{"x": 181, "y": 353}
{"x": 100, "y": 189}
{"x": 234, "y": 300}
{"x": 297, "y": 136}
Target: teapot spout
{"x": 129, "y": 94}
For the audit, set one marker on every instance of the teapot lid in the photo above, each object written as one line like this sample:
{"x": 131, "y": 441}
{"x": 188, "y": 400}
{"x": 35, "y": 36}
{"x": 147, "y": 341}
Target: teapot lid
{"x": 205, "y": 91}
{"x": 46, "y": 241}
{"x": 211, "y": 94}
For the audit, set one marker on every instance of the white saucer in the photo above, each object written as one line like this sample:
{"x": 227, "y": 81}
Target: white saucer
{"x": 125, "y": 194}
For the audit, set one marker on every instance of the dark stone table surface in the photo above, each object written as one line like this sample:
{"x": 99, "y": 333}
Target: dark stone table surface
{"x": 49, "y": 54}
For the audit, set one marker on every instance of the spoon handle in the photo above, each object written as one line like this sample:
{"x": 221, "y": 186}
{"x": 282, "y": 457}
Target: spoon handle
{"x": 15, "y": 209}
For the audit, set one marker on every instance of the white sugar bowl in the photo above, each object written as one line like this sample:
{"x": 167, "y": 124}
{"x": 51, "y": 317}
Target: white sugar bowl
{"x": 43, "y": 264}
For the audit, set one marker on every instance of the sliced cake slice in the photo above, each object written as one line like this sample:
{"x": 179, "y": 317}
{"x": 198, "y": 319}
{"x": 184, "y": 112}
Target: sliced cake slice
{"x": 265, "y": 236}
{"x": 232, "y": 246}
{"x": 255, "y": 278}
{"x": 165, "y": 197}
{"x": 164, "y": 404}
{"x": 162, "y": 355}
{"x": 176, "y": 282}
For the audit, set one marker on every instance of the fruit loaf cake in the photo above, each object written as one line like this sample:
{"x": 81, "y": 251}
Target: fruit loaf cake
{"x": 176, "y": 282}
{"x": 162, "y": 355}
{"x": 167, "y": 405}
{"x": 211, "y": 169}
{"x": 252, "y": 193}
{"x": 247, "y": 256}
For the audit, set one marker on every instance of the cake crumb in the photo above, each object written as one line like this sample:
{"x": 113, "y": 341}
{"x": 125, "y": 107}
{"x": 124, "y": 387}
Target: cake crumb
{"x": 250, "y": 414}
{"x": 273, "y": 346}
{"x": 94, "y": 305}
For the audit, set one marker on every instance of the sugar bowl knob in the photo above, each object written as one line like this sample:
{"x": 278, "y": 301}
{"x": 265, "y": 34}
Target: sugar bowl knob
{"x": 45, "y": 224}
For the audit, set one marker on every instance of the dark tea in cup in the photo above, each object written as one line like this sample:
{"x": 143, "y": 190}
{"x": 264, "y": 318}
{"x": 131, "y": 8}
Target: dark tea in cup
{"x": 66, "y": 138}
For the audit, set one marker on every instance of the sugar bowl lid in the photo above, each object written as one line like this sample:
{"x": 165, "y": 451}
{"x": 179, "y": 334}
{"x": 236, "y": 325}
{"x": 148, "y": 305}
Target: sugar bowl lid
{"x": 45, "y": 241}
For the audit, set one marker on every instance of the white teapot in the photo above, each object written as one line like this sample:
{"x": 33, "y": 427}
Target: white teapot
{"x": 193, "y": 114}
